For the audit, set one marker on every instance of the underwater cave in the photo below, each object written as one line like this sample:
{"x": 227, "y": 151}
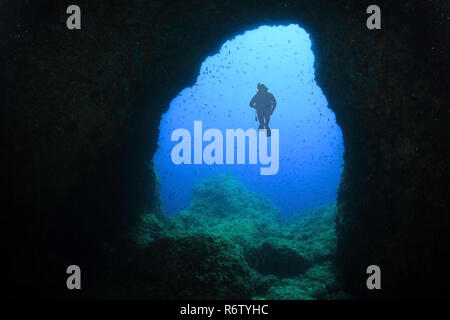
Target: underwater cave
{"x": 87, "y": 111}
{"x": 310, "y": 141}
{"x": 280, "y": 227}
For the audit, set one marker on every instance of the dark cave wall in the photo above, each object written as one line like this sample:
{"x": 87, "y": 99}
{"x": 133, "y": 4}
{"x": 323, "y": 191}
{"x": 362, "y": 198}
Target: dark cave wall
{"x": 82, "y": 111}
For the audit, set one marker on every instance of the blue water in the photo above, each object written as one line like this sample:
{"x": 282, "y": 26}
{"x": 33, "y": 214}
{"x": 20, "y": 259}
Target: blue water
{"x": 310, "y": 145}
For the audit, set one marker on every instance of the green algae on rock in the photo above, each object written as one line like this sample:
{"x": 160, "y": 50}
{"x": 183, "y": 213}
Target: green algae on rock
{"x": 234, "y": 238}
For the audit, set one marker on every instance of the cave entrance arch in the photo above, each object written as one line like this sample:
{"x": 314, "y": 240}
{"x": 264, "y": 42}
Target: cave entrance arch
{"x": 311, "y": 146}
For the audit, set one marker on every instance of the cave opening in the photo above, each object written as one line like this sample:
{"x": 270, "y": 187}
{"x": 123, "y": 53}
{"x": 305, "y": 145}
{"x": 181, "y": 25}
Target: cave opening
{"x": 277, "y": 231}
{"x": 310, "y": 141}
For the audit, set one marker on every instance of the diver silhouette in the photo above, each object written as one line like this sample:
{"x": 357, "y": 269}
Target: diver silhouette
{"x": 264, "y": 103}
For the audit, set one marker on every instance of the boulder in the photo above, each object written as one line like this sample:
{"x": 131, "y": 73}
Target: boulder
{"x": 194, "y": 266}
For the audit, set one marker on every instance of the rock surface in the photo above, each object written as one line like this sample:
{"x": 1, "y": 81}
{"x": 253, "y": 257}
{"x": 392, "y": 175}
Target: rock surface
{"x": 262, "y": 257}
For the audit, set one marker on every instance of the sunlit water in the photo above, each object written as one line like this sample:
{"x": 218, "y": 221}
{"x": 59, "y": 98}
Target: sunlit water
{"x": 311, "y": 146}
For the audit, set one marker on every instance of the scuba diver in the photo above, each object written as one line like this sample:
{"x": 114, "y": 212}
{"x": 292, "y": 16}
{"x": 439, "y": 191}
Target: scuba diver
{"x": 264, "y": 103}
